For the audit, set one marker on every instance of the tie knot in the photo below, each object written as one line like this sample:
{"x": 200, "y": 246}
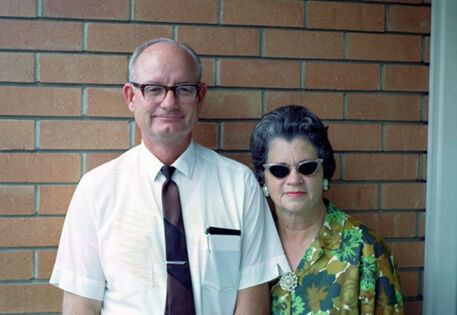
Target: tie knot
{"x": 167, "y": 171}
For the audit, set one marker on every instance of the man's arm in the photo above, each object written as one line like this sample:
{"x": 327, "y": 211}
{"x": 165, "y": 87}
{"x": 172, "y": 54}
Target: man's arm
{"x": 253, "y": 301}
{"x": 77, "y": 305}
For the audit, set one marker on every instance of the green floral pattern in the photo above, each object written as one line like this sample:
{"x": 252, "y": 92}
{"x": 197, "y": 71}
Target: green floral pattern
{"x": 347, "y": 269}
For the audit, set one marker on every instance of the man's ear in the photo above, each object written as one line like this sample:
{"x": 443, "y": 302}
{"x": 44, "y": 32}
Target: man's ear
{"x": 129, "y": 96}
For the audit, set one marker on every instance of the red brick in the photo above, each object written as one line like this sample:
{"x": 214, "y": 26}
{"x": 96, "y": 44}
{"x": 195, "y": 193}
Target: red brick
{"x": 397, "y": 225}
{"x": 324, "y": 105}
{"x": 40, "y": 101}
{"x": 360, "y": 137}
{"x": 342, "y": 76}
{"x": 263, "y": 12}
{"x": 383, "y": 107}
{"x": 406, "y": 138}
{"x": 426, "y": 106}
{"x": 390, "y": 225}
{"x": 190, "y": 11}
{"x": 28, "y": 232}
{"x": 221, "y": 41}
{"x": 384, "y": 47}
{"x": 427, "y": 49}
{"x": 23, "y": 8}
{"x": 16, "y": 265}
{"x": 208, "y": 71}
{"x": 409, "y": 254}
{"x": 30, "y": 298}
{"x": 381, "y": 167}
{"x": 400, "y": 1}
{"x": 64, "y": 134}
{"x": 76, "y": 68}
{"x": 123, "y": 37}
{"x": 406, "y": 78}
{"x": 40, "y": 35}
{"x": 346, "y": 16}
{"x": 303, "y": 44}
{"x": 244, "y": 158}
{"x": 85, "y": 9}
{"x": 354, "y": 196}
{"x": 260, "y": 73}
{"x": 55, "y": 199}
{"x": 106, "y": 102}
{"x": 206, "y": 135}
{"x": 17, "y": 134}
{"x": 424, "y": 167}
{"x": 137, "y": 136}
{"x": 39, "y": 167}
{"x": 337, "y": 174}
{"x": 16, "y": 200}
{"x": 17, "y": 67}
{"x": 232, "y": 104}
{"x": 410, "y": 283}
{"x": 413, "y": 19}
{"x": 237, "y": 135}
{"x": 413, "y": 307}
{"x": 96, "y": 159}
{"x": 46, "y": 260}
{"x": 422, "y": 224}
{"x": 403, "y": 196}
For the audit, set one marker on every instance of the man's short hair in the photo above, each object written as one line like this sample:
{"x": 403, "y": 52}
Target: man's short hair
{"x": 151, "y": 42}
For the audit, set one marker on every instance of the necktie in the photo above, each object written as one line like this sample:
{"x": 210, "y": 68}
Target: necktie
{"x": 179, "y": 285}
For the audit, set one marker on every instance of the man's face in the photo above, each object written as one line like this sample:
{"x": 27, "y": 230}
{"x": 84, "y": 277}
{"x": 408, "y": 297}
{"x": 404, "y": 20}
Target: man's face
{"x": 168, "y": 121}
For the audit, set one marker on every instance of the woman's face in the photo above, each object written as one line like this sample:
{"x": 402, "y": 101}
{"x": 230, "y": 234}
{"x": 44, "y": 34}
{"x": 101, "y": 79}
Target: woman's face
{"x": 295, "y": 192}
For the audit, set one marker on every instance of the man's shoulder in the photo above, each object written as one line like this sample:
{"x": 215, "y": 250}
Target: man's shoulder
{"x": 213, "y": 158}
{"x": 119, "y": 163}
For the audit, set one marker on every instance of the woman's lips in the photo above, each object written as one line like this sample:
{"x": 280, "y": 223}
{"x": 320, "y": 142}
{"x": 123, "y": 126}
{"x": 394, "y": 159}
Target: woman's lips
{"x": 295, "y": 194}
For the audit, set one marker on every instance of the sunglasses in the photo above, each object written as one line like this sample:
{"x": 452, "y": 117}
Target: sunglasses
{"x": 306, "y": 168}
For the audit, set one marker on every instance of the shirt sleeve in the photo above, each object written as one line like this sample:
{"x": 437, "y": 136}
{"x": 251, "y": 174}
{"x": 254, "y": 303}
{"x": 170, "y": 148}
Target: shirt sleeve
{"x": 77, "y": 268}
{"x": 385, "y": 295}
{"x": 262, "y": 256}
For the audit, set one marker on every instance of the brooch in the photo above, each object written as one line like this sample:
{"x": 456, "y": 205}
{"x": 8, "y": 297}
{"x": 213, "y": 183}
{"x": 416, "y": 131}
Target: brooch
{"x": 289, "y": 282}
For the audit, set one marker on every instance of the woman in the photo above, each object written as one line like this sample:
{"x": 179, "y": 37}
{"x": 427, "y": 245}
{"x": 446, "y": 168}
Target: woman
{"x": 339, "y": 264}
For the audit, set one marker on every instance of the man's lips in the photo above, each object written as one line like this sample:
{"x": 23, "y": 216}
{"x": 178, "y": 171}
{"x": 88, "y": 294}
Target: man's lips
{"x": 167, "y": 117}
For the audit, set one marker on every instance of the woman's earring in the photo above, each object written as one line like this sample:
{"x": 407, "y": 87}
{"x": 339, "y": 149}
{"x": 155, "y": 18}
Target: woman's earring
{"x": 325, "y": 184}
{"x": 265, "y": 191}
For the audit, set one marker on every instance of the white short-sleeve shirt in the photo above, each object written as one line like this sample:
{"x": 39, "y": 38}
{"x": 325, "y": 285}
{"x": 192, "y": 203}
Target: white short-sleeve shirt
{"x": 112, "y": 246}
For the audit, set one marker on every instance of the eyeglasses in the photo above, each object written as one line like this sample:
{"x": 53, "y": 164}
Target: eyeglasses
{"x": 155, "y": 93}
{"x": 281, "y": 170}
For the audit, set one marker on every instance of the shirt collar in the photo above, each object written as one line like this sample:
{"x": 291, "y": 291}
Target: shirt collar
{"x": 184, "y": 164}
{"x": 331, "y": 233}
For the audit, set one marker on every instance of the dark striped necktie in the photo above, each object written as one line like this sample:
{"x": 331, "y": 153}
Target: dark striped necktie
{"x": 179, "y": 285}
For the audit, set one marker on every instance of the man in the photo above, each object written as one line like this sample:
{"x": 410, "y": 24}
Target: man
{"x": 112, "y": 255}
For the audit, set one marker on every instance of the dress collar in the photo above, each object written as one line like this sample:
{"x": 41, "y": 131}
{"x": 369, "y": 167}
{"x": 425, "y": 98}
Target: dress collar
{"x": 331, "y": 233}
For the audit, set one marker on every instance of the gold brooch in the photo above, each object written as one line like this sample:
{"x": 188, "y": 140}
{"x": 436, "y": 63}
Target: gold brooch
{"x": 288, "y": 282}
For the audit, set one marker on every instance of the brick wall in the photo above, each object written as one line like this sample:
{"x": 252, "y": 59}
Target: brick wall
{"x": 362, "y": 66}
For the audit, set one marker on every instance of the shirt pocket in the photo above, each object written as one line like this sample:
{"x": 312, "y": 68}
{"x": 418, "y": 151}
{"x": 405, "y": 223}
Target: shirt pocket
{"x": 222, "y": 269}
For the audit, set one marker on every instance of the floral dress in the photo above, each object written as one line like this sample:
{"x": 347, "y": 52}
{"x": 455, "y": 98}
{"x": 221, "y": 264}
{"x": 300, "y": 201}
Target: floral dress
{"x": 347, "y": 269}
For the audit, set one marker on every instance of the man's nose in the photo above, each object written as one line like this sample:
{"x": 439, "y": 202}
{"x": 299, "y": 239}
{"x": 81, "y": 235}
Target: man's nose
{"x": 169, "y": 100}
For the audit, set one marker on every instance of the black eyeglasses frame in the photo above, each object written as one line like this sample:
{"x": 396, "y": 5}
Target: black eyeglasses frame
{"x": 167, "y": 88}
{"x": 297, "y": 167}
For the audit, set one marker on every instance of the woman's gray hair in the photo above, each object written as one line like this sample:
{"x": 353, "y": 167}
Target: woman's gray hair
{"x": 141, "y": 48}
{"x": 288, "y": 123}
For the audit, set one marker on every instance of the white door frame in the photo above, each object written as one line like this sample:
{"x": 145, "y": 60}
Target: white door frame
{"x": 440, "y": 278}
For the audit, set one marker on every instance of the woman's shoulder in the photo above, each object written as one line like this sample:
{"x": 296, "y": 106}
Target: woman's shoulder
{"x": 355, "y": 231}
